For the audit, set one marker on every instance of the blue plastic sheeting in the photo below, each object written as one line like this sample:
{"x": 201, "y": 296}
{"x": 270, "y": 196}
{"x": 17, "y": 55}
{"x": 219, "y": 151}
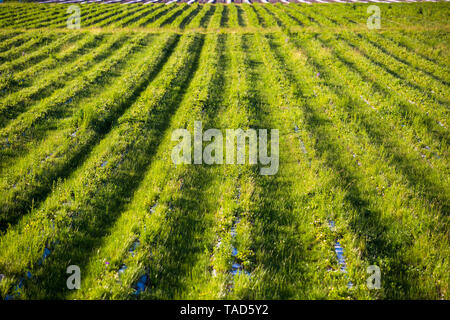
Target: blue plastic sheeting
{"x": 340, "y": 255}
{"x": 233, "y": 231}
{"x": 133, "y": 247}
{"x": 152, "y": 208}
{"x": 338, "y": 248}
{"x": 234, "y": 252}
{"x": 236, "y": 268}
{"x": 302, "y": 145}
{"x": 16, "y": 290}
{"x": 28, "y": 276}
{"x": 122, "y": 269}
{"x": 238, "y": 195}
{"x": 44, "y": 255}
{"x": 20, "y": 285}
{"x": 141, "y": 284}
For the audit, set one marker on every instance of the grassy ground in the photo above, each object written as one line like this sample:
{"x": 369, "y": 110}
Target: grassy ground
{"x": 86, "y": 178}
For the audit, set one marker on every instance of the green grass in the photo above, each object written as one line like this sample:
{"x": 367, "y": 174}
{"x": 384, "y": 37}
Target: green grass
{"x": 86, "y": 118}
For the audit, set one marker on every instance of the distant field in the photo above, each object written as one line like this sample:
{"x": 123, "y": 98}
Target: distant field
{"x": 210, "y": 17}
{"x": 86, "y": 176}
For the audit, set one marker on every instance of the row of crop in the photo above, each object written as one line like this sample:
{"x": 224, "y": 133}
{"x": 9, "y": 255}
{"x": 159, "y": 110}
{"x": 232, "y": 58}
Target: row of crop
{"x": 419, "y": 142}
{"x": 15, "y": 40}
{"x": 5, "y": 37}
{"x": 433, "y": 53}
{"x": 180, "y": 19}
{"x": 97, "y": 15}
{"x": 102, "y": 15}
{"x": 385, "y": 115}
{"x": 20, "y": 16}
{"x": 285, "y": 18}
{"x": 417, "y": 14}
{"x": 126, "y": 14}
{"x": 39, "y": 120}
{"x": 154, "y": 16}
{"x": 216, "y": 18}
{"x": 189, "y": 17}
{"x": 201, "y": 19}
{"x": 35, "y": 57}
{"x": 54, "y": 13}
{"x": 391, "y": 43}
{"x": 29, "y": 88}
{"x": 14, "y": 105}
{"x": 395, "y": 14}
{"x": 238, "y": 16}
{"x": 57, "y": 16}
{"x": 419, "y": 131}
{"x": 400, "y": 80}
{"x": 25, "y": 77}
{"x": 430, "y": 108}
{"x": 6, "y": 13}
{"x": 388, "y": 56}
{"x": 61, "y": 19}
{"x": 231, "y": 257}
{"x": 82, "y": 208}
{"x": 27, "y": 43}
{"x": 301, "y": 16}
{"x": 23, "y": 18}
{"x": 167, "y": 19}
{"x": 268, "y": 18}
{"x": 429, "y": 112}
{"x": 432, "y": 90}
{"x": 432, "y": 38}
{"x": 337, "y": 116}
{"x": 250, "y": 16}
{"x": 43, "y": 16}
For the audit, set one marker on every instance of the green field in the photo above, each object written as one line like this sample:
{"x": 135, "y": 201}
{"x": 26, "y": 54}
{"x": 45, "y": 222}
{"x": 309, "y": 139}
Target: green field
{"x": 86, "y": 177}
